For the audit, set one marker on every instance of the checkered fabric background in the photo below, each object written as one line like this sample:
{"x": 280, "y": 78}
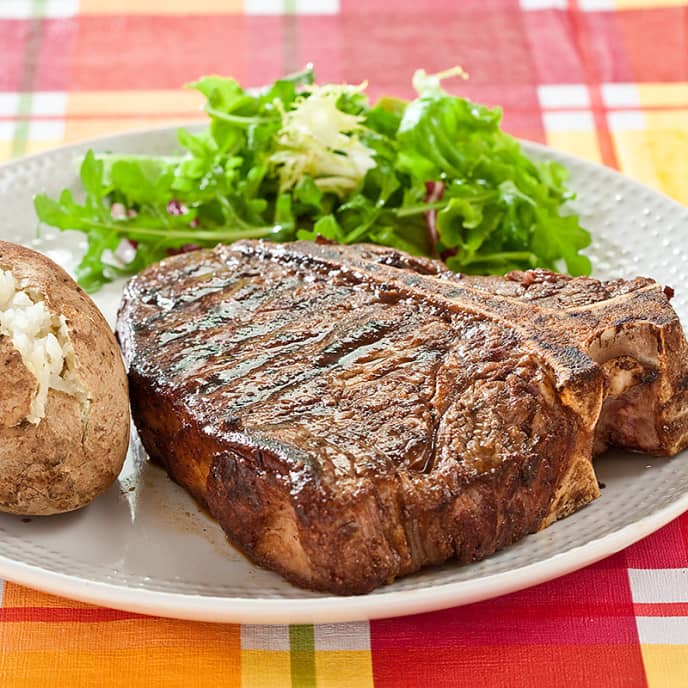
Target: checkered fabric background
{"x": 604, "y": 79}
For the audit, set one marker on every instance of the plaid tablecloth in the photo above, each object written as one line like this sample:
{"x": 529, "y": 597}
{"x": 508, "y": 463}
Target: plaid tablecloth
{"x": 605, "y": 79}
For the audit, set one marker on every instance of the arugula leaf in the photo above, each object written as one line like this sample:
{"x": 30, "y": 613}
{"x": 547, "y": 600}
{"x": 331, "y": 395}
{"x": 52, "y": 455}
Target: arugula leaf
{"x": 297, "y": 160}
{"x": 326, "y": 227}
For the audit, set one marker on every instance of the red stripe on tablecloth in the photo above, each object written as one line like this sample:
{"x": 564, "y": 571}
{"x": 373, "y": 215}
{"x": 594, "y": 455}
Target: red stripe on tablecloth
{"x": 655, "y": 42}
{"x": 591, "y": 75}
{"x": 661, "y": 609}
{"x": 330, "y": 45}
{"x": 60, "y": 614}
{"x": 665, "y": 549}
{"x": 388, "y": 52}
{"x": 55, "y": 54}
{"x": 152, "y": 52}
{"x": 477, "y": 626}
{"x": 584, "y": 621}
{"x": 589, "y": 607}
{"x": 493, "y": 665}
{"x": 421, "y": 8}
{"x": 550, "y": 37}
{"x": 13, "y": 35}
{"x": 605, "y": 46}
{"x": 264, "y": 49}
{"x": 682, "y": 522}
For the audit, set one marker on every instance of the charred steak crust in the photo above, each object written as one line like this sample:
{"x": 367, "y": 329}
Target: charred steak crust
{"x": 352, "y": 414}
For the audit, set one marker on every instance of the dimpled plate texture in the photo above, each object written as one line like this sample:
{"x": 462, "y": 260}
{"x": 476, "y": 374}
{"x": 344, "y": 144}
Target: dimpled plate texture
{"x": 145, "y": 546}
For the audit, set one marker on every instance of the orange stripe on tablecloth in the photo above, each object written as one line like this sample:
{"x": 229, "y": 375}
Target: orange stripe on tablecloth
{"x": 148, "y": 666}
{"x": 145, "y": 651}
{"x": 661, "y": 608}
{"x": 127, "y": 634}
{"x": 76, "y": 130}
{"x": 148, "y": 101}
{"x": 40, "y": 617}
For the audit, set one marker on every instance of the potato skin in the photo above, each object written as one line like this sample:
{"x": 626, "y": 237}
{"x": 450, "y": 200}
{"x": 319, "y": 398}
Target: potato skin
{"x": 61, "y": 464}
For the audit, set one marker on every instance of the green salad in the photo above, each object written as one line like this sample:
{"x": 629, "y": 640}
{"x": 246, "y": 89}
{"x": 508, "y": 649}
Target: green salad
{"x": 435, "y": 177}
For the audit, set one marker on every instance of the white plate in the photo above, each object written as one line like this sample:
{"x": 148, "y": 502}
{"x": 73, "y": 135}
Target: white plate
{"x": 144, "y": 546}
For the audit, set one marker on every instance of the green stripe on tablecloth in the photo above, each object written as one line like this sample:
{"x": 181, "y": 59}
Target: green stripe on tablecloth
{"x": 21, "y": 129}
{"x": 302, "y": 656}
{"x": 27, "y": 81}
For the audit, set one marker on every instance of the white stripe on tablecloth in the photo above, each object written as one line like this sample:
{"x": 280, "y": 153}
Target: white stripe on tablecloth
{"x": 563, "y": 95}
{"x": 650, "y": 586}
{"x": 47, "y": 111}
{"x": 569, "y": 120}
{"x": 49, "y": 103}
{"x": 24, "y": 9}
{"x": 629, "y": 120}
{"x": 596, "y": 5}
{"x": 544, "y": 4}
{"x": 344, "y": 636}
{"x": 253, "y": 7}
{"x": 265, "y": 638}
{"x": 662, "y": 630}
{"x": 620, "y": 95}
{"x": 7, "y": 131}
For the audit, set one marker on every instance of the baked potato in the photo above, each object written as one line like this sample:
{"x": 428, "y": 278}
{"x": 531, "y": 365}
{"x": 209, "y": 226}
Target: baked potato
{"x": 64, "y": 404}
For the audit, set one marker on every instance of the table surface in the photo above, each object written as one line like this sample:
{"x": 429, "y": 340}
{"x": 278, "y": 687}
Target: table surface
{"x": 604, "y": 79}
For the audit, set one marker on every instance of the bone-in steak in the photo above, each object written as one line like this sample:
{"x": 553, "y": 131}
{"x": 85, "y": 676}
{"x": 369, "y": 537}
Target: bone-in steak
{"x": 350, "y": 414}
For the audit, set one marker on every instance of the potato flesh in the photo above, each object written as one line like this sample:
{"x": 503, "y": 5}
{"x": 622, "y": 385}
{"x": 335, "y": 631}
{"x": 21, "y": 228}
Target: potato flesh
{"x": 42, "y": 340}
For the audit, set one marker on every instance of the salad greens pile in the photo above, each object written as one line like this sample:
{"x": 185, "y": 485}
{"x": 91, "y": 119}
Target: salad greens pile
{"x": 434, "y": 177}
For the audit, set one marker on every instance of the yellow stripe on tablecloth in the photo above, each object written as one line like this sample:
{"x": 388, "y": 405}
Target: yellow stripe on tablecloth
{"x": 76, "y": 130}
{"x": 162, "y": 7}
{"x": 340, "y": 668}
{"x": 658, "y": 154}
{"x": 580, "y": 143}
{"x": 663, "y": 94}
{"x": 144, "y": 667}
{"x": 333, "y": 669}
{"x": 666, "y": 666}
{"x": 155, "y": 102}
{"x": 5, "y": 150}
{"x": 39, "y": 145}
{"x": 265, "y": 669}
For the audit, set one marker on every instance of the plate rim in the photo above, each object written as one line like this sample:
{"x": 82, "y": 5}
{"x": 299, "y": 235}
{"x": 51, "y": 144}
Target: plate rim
{"x": 333, "y": 608}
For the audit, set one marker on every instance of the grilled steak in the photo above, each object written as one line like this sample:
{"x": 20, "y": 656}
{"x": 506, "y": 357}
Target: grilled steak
{"x": 350, "y": 414}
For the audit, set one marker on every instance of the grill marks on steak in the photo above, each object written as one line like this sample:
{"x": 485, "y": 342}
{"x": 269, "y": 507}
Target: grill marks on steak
{"x": 352, "y": 414}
